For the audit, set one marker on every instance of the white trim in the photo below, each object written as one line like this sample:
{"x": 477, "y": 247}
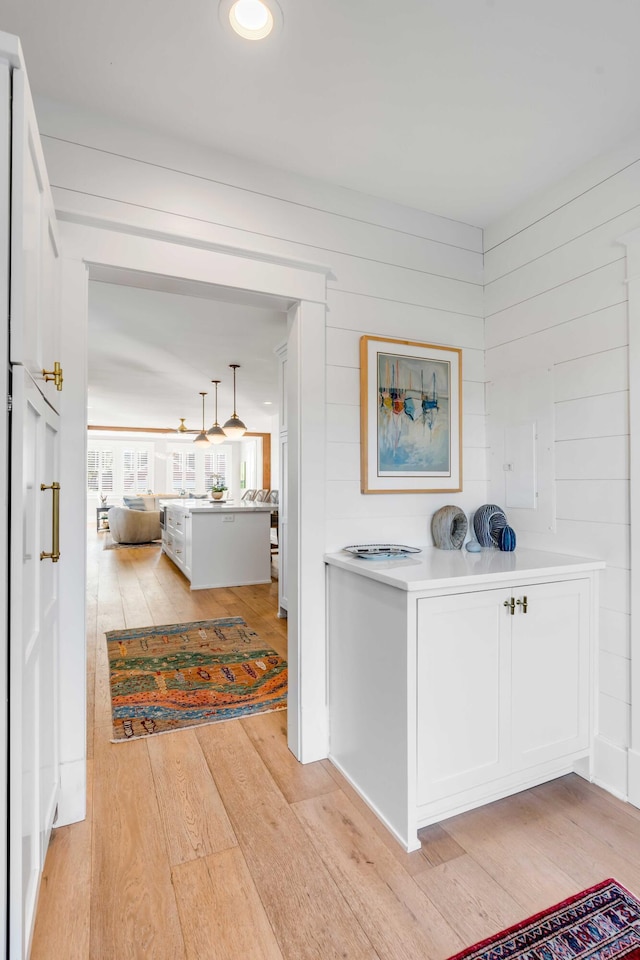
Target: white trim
{"x": 633, "y": 775}
{"x": 106, "y": 247}
{"x": 5, "y": 206}
{"x": 73, "y": 542}
{"x": 72, "y": 805}
{"x": 610, "y": 768}
{"x": 91, "y": 245}
{"x": 632, "y": 782}
{"x": 172, "y": 236}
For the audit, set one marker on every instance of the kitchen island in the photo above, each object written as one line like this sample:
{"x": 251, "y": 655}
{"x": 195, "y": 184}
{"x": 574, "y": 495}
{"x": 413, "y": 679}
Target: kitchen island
{"x": 458, "y": 678}
{"x": 218, "y": 544}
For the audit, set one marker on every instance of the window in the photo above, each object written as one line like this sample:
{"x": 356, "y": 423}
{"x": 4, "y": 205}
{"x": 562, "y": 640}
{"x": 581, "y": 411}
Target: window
{"x": 100, "y": 471}
{"x": 216, "y": 464}
{"x": 183, "y": 472}
{"x": 119, "y": 467}
{"x": 135, "y": 471}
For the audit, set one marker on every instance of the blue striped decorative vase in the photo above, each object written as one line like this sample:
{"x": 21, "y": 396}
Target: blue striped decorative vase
{"x": 488, "y": 522}
{"x": 507, "y": 539}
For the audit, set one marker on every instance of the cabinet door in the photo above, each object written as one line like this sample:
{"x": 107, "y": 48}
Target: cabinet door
{"x": 550, "y": 672}
{"x": 34, "y": 643}
{"x": 463, "y": 692}
{"x": 34, "y": 334}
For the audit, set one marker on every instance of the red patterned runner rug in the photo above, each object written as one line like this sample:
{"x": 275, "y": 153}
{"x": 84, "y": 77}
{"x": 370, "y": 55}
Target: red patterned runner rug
{"x": 601, "y": 923}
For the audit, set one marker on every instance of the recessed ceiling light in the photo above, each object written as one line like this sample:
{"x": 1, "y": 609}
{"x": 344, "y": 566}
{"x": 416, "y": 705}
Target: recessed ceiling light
{"x": 268, "y": 403}
{"x": 251, "y": 19}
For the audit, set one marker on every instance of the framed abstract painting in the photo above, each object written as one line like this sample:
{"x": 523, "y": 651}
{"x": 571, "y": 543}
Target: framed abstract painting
{"x": 410, "y": 416}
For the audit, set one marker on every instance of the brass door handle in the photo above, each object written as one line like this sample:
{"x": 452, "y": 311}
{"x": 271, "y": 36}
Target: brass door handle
{"x": 54, "y": 556}
{"x": 55, "y": 375}
{"x": 524, "y": 603}
{"x": 511, "y": 604}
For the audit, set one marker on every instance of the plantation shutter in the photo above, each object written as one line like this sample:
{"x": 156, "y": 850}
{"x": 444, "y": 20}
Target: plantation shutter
{"x": 222, "y": 465}
{"x": 209, "y": 470}
{"x": 142, "y": 471}
{"x": 128, "y": 471}
{"x": 93, "y": 471}
{"x": 100, "y": 471}
{"x": 176, "y": 472}
{"x": 190, "y": 472}
{"x": 106, "y": 471}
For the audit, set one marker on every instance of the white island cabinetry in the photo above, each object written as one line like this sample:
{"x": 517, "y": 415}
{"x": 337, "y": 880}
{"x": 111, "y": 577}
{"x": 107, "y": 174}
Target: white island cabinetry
{"x": 218, "y": 545}
{"x": 456, "y": 678}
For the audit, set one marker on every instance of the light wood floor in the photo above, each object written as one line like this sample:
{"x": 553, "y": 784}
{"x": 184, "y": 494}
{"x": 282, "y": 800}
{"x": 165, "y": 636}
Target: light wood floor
{"x": 215, "y": 844}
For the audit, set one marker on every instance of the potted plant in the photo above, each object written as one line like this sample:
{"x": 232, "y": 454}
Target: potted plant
{"x": 219, "y": 487}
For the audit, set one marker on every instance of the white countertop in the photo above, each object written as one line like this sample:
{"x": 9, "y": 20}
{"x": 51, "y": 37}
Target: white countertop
{"x": 435, "y": 569}
{"x": 218, "y": 506}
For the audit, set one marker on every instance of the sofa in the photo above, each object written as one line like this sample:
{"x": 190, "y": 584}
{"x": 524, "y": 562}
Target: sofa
{"x": 134, "y": 526}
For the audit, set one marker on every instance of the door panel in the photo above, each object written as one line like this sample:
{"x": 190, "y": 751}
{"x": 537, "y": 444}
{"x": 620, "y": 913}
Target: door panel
{"x": 463, "y": 699}
{"x": 550, "y": 679}
{"x": 34, "y": 334}
{"x": 33, "y": 710}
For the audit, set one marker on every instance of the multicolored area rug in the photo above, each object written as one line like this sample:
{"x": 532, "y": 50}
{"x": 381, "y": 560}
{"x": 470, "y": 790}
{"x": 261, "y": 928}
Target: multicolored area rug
{"x": 185, "y": 674}
{"x": 112, "y": 545}
{"x": 601, "y": 923}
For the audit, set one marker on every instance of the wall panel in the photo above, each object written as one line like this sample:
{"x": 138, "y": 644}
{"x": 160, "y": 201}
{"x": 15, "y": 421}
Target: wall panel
{"x": 394, "y": 272}
{"x": 556, "y": 298}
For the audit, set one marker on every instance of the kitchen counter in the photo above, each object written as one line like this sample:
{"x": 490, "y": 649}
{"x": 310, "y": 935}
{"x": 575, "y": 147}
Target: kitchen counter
{"x": 218, "y": 544}
{"x": 435, "y": 569}
{"x": 228, "y": 506}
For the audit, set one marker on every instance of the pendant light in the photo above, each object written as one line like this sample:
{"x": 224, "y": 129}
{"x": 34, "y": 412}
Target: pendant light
{"x": 234, "y": 428}
{"x": 216, "y": 434}
{"x": 202, "y": 440}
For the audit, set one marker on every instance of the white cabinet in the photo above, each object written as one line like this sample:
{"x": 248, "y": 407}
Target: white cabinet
{"x": 219, "y": 545}
{"x": 440, "y": 697}
{"x": 500, "y": 692}
{"x": 176, "y": 538}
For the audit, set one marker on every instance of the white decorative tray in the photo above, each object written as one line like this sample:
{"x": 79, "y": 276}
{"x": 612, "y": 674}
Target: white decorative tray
{"x": 380, "y": 551}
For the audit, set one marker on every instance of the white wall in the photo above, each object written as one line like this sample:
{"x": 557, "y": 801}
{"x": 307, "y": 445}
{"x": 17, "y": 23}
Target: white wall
{"x": 396, "y": 272}
{"x": 556, "y": 297}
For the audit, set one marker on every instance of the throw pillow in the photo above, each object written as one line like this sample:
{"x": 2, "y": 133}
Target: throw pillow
{"x": 134, "y": 503}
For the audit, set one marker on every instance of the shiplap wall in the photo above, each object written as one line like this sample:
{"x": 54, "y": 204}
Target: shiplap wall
{"x": 555, "y": 297}
{"x": 395, "y": 272}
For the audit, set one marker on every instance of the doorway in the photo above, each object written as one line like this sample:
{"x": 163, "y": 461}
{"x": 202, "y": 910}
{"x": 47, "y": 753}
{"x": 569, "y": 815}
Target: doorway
{"x": 163, "y": 356}
{"x": 106, "y": 254}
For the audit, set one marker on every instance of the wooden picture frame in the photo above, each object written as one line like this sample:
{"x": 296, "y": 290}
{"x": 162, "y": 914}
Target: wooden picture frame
{"x": 410, "y": 416}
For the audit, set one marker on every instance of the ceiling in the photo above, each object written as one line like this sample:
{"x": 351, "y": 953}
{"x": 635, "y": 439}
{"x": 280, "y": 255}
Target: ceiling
{"x": 151, "y": 351}
{"x": 459, "y": 107}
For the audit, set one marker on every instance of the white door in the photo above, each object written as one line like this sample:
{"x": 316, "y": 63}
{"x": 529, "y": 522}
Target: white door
{"x": 34, "y": 343}
{"x": 34, "y": 333}
{"x": 550, "y": 672}
{"x": 33, "y": 678}
{"x": 463, "y": 692}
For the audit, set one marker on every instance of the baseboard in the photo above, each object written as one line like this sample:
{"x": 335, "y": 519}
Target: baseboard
{"x": 634, "y": 777}
{"x": 583, "y": 768}
{"x": 411, "y": 845}
{"x": 72, "y": 801}
{"x": 611, "y": 767}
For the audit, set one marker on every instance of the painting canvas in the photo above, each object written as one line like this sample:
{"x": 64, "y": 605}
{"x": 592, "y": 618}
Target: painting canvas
{"x": 410, "y": 416}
